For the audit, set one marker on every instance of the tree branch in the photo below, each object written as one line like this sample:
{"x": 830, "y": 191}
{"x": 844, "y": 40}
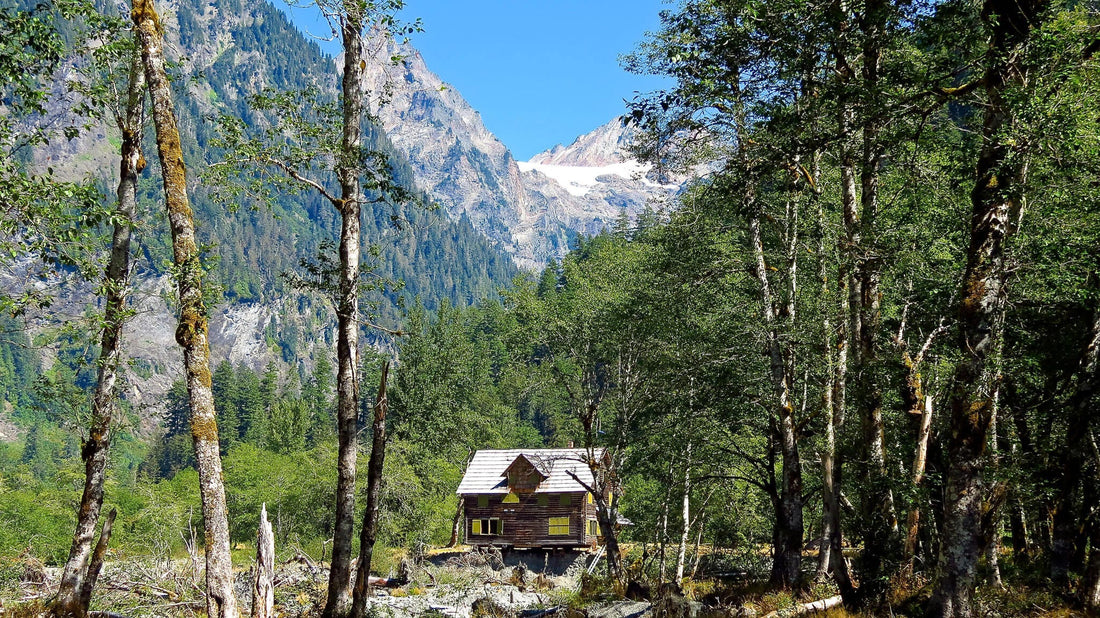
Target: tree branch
{"x": 289, "y": 171}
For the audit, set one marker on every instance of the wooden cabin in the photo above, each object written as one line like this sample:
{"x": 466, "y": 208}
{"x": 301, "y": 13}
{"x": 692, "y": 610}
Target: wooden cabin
{"x": 530, "y": 498}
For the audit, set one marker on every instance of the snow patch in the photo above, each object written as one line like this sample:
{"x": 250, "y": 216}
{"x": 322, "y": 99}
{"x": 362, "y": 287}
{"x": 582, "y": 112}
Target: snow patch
{"x": 579, "y": 180}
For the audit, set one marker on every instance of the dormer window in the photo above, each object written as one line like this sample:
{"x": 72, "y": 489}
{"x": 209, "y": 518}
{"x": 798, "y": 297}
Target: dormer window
{"x": 525, "y": 474}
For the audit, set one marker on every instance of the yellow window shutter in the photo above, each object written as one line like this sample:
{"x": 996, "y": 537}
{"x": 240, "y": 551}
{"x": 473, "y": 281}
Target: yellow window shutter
{"x": 559, "y": 526}
{"x": 511, "y": 499}
{"x": 476, "y": 527}
{"x": 590, "y": 500}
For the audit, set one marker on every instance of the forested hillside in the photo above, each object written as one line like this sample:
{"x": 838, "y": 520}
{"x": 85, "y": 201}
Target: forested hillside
{"x": 253, "y": 244}
{"x": 433, "y": 257}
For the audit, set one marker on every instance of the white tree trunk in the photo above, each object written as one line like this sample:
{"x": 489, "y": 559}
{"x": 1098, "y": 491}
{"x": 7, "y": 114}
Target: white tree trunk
{"x": 191, "y": 334}
{"x": 263, "y": 588}
{"x": 681, "y": 552}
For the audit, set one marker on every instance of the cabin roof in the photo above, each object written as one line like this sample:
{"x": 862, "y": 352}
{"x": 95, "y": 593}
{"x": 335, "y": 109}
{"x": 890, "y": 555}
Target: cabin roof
{"x": 485, "y": 474}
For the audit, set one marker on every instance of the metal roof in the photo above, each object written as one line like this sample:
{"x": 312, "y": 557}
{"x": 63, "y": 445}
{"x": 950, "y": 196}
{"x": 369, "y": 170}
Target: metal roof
{"x": 485, "y": 473}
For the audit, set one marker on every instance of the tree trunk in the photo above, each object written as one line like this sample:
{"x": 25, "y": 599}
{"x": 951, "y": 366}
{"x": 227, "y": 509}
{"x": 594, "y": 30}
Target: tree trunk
{"x": 993, "y": 546}
{"x": 920, "y": 459}
{"x": 607, "y": 515}
{"x": 681, "y": 553}
{"x": 263, "y": 587}
{"x": 1090, "y": 585}
{"x": 191, "y": 334}
{"x": 702, "y": 524}
{"x": 347, "y": 312}
{"x": 995, "y": 199}
{"x": 663, "y": 540}
{"x": 848, "y": 324}
{"x": 837, "y": 564}
{"x": 879, "y": 522}
{"x": 917, "y": 405}
{"x": 1074, "y": 455}
{"x": 98, "y": 556}
{"x": 1017, "y": 521}
{"x": 374, "y": 496}
{"x": 456, "y": 525}
{"x": 829, "y": 518}
{"x": 116, "y": 282}
{"x": 828, "y": 489}
{"x": 1017, "y": 517}
{"x": 787, "y": 537}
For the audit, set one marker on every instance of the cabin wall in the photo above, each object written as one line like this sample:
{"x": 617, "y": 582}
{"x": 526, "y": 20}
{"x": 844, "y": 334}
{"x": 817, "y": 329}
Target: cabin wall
{"x": 527, "y": 523}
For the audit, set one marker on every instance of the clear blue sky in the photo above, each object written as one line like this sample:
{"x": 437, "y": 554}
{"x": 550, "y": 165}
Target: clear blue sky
{"x": 541, "y": 72}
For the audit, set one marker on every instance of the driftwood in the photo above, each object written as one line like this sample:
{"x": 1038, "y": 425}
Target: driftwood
{"x": 263, "y": 589}
{"x": 807, "y": 608}
{"x": 385, "y": 582}
{"x": 191, "y": 545}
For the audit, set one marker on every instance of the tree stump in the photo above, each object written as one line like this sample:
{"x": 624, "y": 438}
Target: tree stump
{"x": 263, "y": 589}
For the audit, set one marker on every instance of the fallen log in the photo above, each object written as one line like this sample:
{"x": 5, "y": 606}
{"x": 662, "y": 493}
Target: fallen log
{"x": 385, "y": 582}
{"x": 807, "y": 608}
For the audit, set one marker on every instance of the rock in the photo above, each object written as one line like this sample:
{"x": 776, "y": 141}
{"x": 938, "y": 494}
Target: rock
{"x": 529, "y": 209}
{"x": 623, "y": 609}
{"x": 487, "y": 607}
{"x": 670, "y": 602}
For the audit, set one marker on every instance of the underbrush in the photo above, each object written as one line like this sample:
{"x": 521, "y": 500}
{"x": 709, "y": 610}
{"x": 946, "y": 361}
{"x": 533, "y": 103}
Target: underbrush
{"x": 171, "y": 586}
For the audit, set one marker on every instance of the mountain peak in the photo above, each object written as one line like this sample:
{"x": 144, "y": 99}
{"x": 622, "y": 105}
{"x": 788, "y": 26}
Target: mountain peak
{"x": 607, "y": 145}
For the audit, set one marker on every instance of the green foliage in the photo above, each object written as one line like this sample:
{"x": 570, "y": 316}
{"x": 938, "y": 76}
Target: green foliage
{"x": 53, "y": 222}
{"x": 418, "y": 500}
{"x": 296, "y": 486}
{"x": 444, "y": 399}
{"x": 38, "y": 519}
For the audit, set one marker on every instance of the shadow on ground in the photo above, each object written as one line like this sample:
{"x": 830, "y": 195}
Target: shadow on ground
{"x": 552, "y": 562}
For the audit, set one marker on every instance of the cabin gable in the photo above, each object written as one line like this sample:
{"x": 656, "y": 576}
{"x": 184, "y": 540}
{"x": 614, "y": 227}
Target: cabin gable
{"x": 524, "y": 475}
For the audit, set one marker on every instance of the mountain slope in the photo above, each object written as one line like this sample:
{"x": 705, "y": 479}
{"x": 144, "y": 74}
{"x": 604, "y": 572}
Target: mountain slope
{"x": 225, "y": 50}
{"x": 531, "y": 210}
{"x": 496, "y": 213}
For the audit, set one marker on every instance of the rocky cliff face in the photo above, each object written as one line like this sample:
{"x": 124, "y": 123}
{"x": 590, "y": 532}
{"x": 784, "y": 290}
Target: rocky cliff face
{"x": 530, "y": 209}
{"x": 600, "y": 181}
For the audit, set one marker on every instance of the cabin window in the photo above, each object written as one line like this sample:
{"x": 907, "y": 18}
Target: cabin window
{"x": 566, "y": 500}
{"x": 559, "y": 526}
{"x": 486, "y": 525}
{"x": 544, "y": 500}
{"x": 483, "y": 502}
{"x": 593, "y": 528}
{"x": 511, "y": 499}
